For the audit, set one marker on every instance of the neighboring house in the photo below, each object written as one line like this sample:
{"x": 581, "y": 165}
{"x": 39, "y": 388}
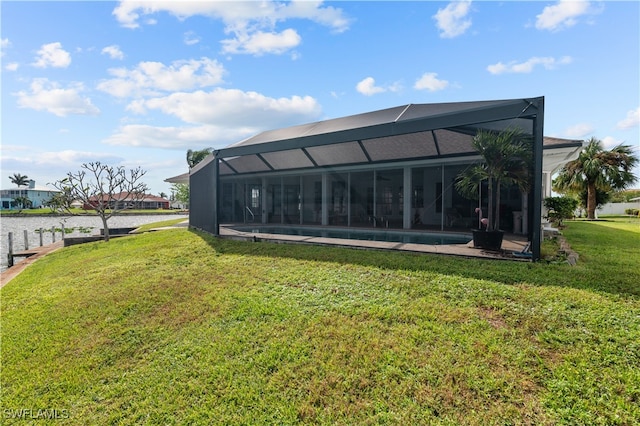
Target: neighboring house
{"x": 37, "y": 194}
{"x": 126, "y": 200}
{"x": 393, "y": 168}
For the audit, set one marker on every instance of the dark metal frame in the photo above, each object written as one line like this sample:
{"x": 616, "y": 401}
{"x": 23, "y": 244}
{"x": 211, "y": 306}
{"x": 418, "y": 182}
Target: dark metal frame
{"x": 466, "y": 118}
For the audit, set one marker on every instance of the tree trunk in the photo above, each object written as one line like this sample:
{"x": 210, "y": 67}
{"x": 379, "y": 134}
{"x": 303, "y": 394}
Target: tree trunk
{"x": 106, "y": 228}
{"x": 591, "y": 201}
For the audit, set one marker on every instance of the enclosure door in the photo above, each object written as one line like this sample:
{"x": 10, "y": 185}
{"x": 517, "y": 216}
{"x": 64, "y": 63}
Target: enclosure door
{"x": 361, "y": 199}
{"x": 253, "y": 203}
{"x": 274, "y": 200}
{"x": 291, "y": 202}
{"x": 312, "y": 200}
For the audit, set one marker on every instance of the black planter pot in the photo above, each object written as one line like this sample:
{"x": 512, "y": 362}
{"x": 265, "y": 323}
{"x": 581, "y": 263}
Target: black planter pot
{"x": 490, "y": 240}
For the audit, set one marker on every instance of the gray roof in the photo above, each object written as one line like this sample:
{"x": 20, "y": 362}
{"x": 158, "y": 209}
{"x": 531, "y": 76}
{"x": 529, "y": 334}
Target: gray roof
{"x": 407, "y": 132}
{"x": 393, "y": 121}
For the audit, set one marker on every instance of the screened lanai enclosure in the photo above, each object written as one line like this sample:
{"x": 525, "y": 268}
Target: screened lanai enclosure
{"x": 389, "y": 169}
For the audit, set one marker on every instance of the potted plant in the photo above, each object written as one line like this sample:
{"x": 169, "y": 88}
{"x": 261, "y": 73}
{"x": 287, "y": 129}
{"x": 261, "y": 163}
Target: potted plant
{"x": 506, "y": 159}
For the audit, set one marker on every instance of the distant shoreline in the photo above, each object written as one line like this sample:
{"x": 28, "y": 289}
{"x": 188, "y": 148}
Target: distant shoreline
{"x": 5, "y": 213}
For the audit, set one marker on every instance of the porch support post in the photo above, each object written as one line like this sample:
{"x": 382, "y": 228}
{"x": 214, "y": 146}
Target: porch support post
{"x": 536, "y": 219}
{"x": 301, "y": 200}
{"x": 281, "y": 200}
{"x": 406, "y": 198}
{"x": 525, "y": 214}
{"x": 325, "y": 199}
{"x": 349, "y": 199}
{"x": 216, "y": 194}
{"x": 263, "y": 202}
{"x": 441, "y": 195}
{"x": 375, "y": 198}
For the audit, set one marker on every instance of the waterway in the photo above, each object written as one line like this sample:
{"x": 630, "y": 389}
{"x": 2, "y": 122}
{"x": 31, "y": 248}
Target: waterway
{"x": 78, "y": 225}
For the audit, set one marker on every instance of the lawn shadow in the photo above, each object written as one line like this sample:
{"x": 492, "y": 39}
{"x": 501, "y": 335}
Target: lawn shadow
{"x": 581, "y": 276}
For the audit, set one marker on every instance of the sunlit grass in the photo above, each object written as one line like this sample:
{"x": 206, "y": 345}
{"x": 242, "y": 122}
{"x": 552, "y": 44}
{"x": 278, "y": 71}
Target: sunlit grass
{"x": 160, "y": 224}
{"x": 176, "y": 327}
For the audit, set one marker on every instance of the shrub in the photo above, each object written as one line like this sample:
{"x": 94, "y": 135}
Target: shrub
{"x": 560, "y": 208}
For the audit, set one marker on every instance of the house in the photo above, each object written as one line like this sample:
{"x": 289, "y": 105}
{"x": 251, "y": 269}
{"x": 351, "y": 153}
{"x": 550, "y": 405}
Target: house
{"x": 393, "y": 168}
{"x": 38, "y": 195}
{"x": 127, "y": 200}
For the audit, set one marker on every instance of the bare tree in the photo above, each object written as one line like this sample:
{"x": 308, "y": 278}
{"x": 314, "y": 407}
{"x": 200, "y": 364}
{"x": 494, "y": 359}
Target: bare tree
{"x": 107, "y": 190}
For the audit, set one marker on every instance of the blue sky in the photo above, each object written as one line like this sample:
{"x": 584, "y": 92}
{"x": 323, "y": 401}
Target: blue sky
{"x": 137, "y": 83}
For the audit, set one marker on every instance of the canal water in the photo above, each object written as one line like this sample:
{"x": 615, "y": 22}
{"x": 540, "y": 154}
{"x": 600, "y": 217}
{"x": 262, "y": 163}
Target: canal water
{"x": 75, "y": 226}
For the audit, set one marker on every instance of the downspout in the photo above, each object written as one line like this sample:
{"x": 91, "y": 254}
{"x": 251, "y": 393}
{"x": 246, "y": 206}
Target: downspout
{"x": 536, "y": 221}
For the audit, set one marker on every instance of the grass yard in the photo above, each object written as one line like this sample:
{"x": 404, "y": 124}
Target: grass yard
{"x": 176, "y": 327}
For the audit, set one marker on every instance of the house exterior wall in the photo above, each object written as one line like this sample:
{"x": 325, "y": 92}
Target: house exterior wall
{"x": 202, "y": 197}
{"x": 37, "y": 197}
{"x": 142, "y": 205}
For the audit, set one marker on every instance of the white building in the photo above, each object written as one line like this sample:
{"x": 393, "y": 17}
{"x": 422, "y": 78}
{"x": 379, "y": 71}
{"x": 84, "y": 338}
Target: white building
{"x": 38, "y": 195}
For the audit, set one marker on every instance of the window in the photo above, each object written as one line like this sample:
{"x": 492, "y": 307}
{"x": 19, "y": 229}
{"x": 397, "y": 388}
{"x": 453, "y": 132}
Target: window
{"x": 255, "y": 197}
{"x": 387, "y": 200}
{"x": 418, "y": 196}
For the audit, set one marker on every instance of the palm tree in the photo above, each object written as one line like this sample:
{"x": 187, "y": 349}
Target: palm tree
{"x": 506, "y": 160}
{"x": 194, "y": 157}
{"x": 19, "y": 180}
{"x": 597, "y": 169}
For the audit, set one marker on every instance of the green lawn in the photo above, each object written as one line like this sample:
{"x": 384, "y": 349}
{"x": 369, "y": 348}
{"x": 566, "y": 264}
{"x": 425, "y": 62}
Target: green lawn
{"x": 176, "y": 327}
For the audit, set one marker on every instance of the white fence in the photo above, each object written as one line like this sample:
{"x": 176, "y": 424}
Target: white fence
{"x": 617, "y": 208}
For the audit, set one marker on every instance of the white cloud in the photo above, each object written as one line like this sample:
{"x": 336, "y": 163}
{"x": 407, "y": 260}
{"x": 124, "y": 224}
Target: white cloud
{"x": 235, "y": 13}
{"x": 70, "y": 157}
{"x": 12, "y": 66}
{"x": 49, "y": 96}
{"x": 609, "y": 142}
{"x": 220, "y": 117}
{"x": 50, "y": 165}
{"x": 190, "y": 38}
{"x": 4, "y": 44}
{"x": 259, "y": 42}
{"x": 579, "y": 131}
{"x": 140, "y": 135}
{"x": 528, "y": 66}
{"x": 252, "y": 24}
{"x": 562, "y": 15}
{"x": 52, "y": 55}
{"x": 234, "y": 108}
{"x": 430, "y": 82}
{"x": 452, "y": 21}
{"x": 368, "y": 87}
{"x": 150, "y": 78}
{"x": 631, "y": 120}
{"x": 113, "y": 51}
